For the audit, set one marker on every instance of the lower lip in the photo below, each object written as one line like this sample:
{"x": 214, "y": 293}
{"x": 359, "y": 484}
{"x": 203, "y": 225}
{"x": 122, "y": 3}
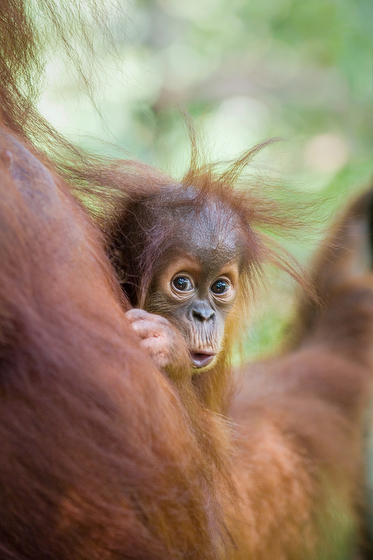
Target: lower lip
{"x": 201, "y": 360}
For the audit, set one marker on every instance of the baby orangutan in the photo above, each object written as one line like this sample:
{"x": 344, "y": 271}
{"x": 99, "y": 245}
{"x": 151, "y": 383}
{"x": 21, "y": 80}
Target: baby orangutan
{"x": 194, "y": 288}
{"x": 188, "y": 256}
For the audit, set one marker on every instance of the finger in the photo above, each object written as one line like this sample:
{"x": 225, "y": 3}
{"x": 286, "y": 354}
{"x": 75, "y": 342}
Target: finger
{"x": 140, "y": 314}
{"x": 137, "y": 314}
{"x": 147, "y": 329}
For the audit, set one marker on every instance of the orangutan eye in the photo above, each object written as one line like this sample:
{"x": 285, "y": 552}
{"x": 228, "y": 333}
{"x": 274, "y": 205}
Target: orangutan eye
{"x": 220, "y": 286}
{"x": 182, "y": 283}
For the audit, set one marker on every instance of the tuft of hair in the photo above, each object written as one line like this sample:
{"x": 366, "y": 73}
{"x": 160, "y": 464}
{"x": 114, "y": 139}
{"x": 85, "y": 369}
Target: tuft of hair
{"x": 265, "y": 212}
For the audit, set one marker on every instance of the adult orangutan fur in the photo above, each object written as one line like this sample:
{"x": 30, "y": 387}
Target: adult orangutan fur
{"x": 103, "y": 456}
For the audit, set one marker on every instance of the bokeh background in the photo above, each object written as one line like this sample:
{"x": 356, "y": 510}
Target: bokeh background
{"x": 246, "y": 70}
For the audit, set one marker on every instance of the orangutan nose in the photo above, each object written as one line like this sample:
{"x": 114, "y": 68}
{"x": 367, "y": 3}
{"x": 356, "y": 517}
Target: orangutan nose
{"x": 203, "y": 313}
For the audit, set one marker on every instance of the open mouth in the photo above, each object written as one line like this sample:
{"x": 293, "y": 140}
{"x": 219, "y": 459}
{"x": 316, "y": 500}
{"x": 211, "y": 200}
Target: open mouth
{"x": 201, "y": 359}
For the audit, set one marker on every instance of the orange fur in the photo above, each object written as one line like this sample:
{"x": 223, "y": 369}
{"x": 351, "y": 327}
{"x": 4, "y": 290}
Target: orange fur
{"x": 102, "y": 456}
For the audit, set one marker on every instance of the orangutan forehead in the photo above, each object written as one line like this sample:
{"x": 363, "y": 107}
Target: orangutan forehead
{"x": 211, "y": 233}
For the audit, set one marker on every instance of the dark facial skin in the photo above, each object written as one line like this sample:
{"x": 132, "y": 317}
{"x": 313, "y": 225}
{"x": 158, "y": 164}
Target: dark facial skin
{"x": 195, "y": 291}
{"x": 199, "y": 300}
